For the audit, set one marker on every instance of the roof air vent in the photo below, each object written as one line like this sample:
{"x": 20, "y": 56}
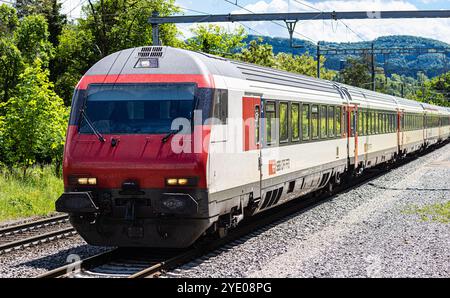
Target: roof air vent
{"x": 156, "y": 52}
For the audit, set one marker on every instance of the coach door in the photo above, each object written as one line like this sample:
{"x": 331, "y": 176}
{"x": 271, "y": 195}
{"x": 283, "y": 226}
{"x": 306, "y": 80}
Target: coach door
{"x": 352, "y": 133}
{"x": 251, "y": 116}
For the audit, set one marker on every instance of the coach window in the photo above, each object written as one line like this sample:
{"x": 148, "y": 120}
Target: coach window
{"x": 315, "y": 121}
{"x": 305, "y": 122}
{"x": 362, "y": 114}
{"x": 353, "y": 123}
{"x": 323, "y": 122}
{"x": 331, "y": 121}
{"x": 376, "y": 126}
{"x": 390, "y": 122}
{"x": 360, "y": 122}
{"x": 295, "y": 123}
{"x": 366, "y": 122}
{"x": 284, "y": 134}
{"x": 337, "y": 123}
{"x": 270, "y": 115}
{"x": 380, "y": 123}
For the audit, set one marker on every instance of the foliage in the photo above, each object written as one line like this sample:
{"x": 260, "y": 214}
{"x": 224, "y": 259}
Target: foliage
{"x": 50, "y": 9}
{"x": 30, "y": 196}
{"x": 356, "y": 73}
{"x": 436, "y": 91}
{"x": 31, "y": 38}
{"x": 121, "y": 24}
{"x": 303, "y": 64}
{"x": 258, "y": 53}
{"x": 215, "y": 39}
{"x": 34, "y": 122}
{"x": 8, "y": 20}
{"x": 432, "y": 64}
{"x": 74, "y": 55}
{"x": 11, "y": 65}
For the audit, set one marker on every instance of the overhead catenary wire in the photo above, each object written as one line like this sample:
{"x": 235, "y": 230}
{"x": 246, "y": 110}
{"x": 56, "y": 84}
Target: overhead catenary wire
{"x": 274, "y": 22}
{"x": 339, "y": 20}
{"x": 206, "y": 13}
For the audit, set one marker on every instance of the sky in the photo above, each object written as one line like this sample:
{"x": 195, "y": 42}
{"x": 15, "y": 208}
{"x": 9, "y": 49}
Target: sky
{"x": 319, "y": 30}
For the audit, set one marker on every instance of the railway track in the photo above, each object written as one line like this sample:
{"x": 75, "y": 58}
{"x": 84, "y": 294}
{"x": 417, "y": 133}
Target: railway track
{"x": 34, "y": 233}
{"x": 139, "y": 263}
{"x": 142, "y": 263}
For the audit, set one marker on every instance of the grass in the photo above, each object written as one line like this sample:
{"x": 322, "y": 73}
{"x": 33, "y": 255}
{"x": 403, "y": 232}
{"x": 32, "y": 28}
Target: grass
{"x": 34, "y": 195}
{"x": 439, "y": 212}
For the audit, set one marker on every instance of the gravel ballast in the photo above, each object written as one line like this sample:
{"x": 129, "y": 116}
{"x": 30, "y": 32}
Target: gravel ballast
{"x": 365, "y": 232}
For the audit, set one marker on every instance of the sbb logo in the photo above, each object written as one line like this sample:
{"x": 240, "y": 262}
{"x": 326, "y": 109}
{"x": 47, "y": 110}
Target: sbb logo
{"x": 272, "y": 167}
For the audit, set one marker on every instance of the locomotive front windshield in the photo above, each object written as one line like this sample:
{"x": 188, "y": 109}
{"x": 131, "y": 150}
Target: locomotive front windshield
{"x": 136, "y": 108}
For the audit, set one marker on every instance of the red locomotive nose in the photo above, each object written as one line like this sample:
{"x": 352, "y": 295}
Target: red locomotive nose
{"x": 142, "y": 158}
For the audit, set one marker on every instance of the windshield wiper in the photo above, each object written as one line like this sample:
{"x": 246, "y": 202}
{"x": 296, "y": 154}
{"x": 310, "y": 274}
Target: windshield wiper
{"x": 91, "y": 125}
{"x": 169, "y": 134}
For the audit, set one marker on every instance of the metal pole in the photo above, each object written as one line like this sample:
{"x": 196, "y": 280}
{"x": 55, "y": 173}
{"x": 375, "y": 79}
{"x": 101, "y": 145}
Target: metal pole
{"x": 373, "y": 68}
{"x": 300, "y": 16}
{"x": 318, "y": 59}
{"x": 155, "y": 30}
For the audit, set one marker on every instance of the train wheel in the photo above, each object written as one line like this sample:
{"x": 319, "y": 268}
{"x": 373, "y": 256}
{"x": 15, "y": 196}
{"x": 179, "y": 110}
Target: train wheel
{"x": 222, "y": 232}
{"x": 330, "y": 188}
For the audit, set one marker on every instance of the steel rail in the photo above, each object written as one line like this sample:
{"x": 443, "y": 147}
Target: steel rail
{"x": 38, "y": 238}
{"x": 32, "y": 224}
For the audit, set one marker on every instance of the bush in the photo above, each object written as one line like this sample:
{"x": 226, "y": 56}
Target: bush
{"x": 35, "y": 120}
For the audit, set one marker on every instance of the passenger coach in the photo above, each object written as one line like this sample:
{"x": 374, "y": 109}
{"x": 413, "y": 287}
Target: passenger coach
{"x": 165, "y": 145}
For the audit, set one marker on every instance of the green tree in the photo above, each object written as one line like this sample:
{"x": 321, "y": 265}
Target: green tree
{"x": 50, "y": 9}
{"x": 258, "y": 53}
{"x": 121, "y": 24}
{"x": 75, "y": 53}
{"x": 435, "y": 91}
{"x": 8, "y": 20}
{"x": 216, "y": 40}
{"x": 34, "y": 123}
{"x": 356, "y": 73}
{"x": 303, "y": 64}
{"x": 31, "y": 38}
{"x": 11, "y": 65}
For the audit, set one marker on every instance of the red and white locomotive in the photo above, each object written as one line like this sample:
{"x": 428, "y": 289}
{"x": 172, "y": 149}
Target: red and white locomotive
{"x": 165, "y": 145}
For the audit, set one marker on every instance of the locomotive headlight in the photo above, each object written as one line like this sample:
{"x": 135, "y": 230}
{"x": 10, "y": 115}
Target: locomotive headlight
{"x": 191, "y": 181}
{"x": 82, "y": 181}
{"x": 183, "y": 181}
{"x": 172, "y": 181}
{"x": 87, "y": 181}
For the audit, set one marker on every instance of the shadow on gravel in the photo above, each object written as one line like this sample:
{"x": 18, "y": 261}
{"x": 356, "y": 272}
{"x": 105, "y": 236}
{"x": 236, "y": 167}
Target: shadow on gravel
{"x": 64, "y": 257}
{"x": 408, "y": 188}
